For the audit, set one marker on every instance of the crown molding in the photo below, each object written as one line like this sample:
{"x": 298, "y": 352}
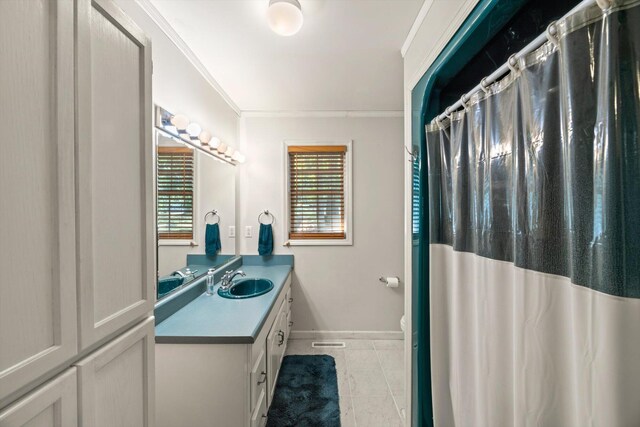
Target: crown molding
{"x": 422, "y": 13}
{"x": 164, "y": 25}
{"x": 323, "y": 114}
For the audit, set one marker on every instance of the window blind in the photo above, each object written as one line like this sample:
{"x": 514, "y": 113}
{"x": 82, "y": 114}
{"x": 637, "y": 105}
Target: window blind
{"x": 317, "y": 192}
{"x": 175, "y": 193}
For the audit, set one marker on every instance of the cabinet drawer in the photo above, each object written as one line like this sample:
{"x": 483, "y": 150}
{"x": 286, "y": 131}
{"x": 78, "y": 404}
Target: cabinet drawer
{"x": 259, "y": 417}
{"x": 288, "y": 300}
{"x": 258, "y": 379}
{"x": 288, "y": 326}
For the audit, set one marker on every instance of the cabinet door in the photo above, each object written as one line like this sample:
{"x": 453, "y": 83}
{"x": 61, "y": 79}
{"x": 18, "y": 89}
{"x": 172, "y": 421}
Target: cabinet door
{"x": 55, "y": 404}
{"x": 116, "y": 381}
{"x": 38, "y": 320}
{"x": 115, "y": 171}
{"x": 275, "y": 351}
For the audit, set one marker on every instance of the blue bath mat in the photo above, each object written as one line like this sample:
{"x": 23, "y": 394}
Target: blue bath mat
{"x": 306, "y": 393}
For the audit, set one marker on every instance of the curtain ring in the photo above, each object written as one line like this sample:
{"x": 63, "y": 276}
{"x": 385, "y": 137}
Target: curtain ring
{"x": 604, "y": 4}
{"x": 512, "y": 63}
{"x": 484, "y": 85}
{"x": 463, "y": 101}
{"x": 439, "y": 122}
{"x": 552, "y": 33}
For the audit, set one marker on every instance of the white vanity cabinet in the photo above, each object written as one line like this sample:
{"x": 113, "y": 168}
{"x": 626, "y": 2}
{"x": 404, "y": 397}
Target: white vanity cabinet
{"x": 76, "y": 184}
{"x": 226, "y": 384}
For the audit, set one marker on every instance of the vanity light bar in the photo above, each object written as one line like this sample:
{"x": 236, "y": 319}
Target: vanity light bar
{"x": 178, "y": 128}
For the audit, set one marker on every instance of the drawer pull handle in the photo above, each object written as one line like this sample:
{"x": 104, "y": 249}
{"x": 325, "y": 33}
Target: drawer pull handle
{"x": 281, "y": 335}
{"x": 264, "y": 415}
{"x": 264, "y": 378}
{"x": 290, "y": 300}
{"x": 291, "y": 323}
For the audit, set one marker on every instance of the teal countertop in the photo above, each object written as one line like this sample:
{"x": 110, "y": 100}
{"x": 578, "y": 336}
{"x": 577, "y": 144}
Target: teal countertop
{"x": 216, "y": 320}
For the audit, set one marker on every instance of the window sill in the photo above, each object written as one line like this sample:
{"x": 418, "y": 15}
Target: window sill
{"x": 177, "y": 243}
{"x": 319, "y": 242}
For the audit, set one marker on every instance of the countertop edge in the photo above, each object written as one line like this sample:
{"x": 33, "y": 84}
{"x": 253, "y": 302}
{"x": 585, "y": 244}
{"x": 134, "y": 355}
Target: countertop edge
{"x": 241, "y": 339}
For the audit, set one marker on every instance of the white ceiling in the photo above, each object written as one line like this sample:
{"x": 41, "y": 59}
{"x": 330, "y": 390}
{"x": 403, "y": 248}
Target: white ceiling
{"x": 346, "y": 57}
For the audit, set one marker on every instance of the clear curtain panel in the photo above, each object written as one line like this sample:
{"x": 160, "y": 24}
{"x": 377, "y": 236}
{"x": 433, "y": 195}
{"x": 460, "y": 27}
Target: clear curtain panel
{"x": 600, "y": 72}
{"x": 460, "y": 179}
{"x": 541, "y": 229}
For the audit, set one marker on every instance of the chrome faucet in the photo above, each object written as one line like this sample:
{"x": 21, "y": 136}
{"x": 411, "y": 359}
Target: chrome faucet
{"x": 228, "y": 277}
{"x": 179, "y": 273}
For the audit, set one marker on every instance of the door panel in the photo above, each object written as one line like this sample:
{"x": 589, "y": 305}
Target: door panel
{"x": 52, "y": 405}
{"x": 115, "y": 187}
{"x": 38, "y": 321}
{"x": 116, "y": 381}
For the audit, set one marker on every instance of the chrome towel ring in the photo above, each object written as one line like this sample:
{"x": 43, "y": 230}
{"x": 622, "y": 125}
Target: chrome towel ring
{"x": 215, "y": 215}
{"x": 267, "y": 213}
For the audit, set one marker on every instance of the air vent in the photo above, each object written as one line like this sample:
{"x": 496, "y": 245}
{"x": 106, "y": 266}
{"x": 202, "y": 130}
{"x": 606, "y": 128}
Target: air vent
{"x": 328, "y": 345}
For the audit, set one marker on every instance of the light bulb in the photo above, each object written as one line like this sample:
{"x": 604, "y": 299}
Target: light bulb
{"x": 285, "y": 17}
{"x": 229, "y": 151}
{"x": 205, "y": 137}
{"x": 239, "y": 157}
{"x": 222, "y": 148}
{"x": 194, "y": 129}
{"x": 180, "y": 121}
{"x": 215, "y": 142}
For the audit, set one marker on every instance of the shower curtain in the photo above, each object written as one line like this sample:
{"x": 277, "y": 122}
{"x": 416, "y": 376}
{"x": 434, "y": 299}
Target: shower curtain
{"x": 534, "y": 198}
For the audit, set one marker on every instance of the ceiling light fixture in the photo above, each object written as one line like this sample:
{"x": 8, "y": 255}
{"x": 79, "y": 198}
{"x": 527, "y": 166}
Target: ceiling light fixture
{"x": 285, "y": 16}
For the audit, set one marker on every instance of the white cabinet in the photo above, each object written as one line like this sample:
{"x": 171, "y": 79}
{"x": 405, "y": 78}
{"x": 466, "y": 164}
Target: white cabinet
{"x": 276, "y": 344}
{"x": 115, "y": 171}
{"x": 116, "y": 381}
{"x": 77, "y": 229}
{"x": 38, "y": 325}
{"x": 222, "y": 385}
{"x": 54, "y": 404}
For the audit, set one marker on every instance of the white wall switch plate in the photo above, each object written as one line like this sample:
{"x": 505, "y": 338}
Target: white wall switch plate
{"x": 248, "y": 231}
{"x": 232, "y": 231}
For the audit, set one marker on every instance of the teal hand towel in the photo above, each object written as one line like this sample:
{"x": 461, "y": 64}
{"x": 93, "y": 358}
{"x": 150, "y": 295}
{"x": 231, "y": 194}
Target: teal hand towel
{"x": 212, "y": 239}
{"x": 265, "y": 240}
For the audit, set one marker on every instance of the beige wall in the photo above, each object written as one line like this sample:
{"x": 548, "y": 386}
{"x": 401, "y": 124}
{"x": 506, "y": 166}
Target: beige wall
{"x": 440, "y": 24}
{"x": 335, "y": 288}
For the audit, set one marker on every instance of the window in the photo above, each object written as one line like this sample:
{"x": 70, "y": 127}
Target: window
{"x": 175, "y": 193}
{"x": 318, "y": 193}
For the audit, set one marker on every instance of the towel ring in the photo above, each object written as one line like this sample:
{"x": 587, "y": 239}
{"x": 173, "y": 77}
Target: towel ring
{"x": 267, "y": 213}
{"x": 215, "y": 215}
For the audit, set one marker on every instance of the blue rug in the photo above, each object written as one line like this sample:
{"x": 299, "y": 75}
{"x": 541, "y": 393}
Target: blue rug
{"x": 306, "y": 393}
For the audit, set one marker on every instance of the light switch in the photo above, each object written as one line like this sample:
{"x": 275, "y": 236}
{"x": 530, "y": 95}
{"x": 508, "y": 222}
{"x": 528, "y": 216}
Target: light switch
{"x": 232, "y": 231}
{"x": 248, "y": 231}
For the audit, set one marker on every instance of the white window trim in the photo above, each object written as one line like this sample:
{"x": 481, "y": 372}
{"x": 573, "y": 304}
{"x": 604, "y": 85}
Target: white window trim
{"x": 196, "y": 195}
{"x": 348, "y": 195}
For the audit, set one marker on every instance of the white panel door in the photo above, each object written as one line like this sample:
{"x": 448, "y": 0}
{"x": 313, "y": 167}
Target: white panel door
{"x": 117, "y": 383}
{"x": 55, "y": 404}
{"x": 115, "y": 165}
{"x": 38, "y": 320}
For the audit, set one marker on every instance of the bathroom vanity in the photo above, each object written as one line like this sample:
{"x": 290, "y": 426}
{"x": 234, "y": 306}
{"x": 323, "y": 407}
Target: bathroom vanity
{"x": 218, "y": 359}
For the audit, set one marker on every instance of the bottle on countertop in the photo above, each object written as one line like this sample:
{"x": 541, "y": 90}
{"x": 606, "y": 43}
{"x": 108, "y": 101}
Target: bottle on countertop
{"x": 210, "y": 282}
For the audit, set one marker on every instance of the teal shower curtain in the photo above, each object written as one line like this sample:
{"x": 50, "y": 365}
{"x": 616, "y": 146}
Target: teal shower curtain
{"x": 534, "y": 227}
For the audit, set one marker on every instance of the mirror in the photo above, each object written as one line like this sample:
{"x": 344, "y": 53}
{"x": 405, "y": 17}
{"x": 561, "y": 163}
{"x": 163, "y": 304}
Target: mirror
{"x": 191, "y": 185}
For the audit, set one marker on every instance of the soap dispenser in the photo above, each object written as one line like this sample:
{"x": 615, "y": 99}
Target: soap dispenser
{"x": 210, "y": 282}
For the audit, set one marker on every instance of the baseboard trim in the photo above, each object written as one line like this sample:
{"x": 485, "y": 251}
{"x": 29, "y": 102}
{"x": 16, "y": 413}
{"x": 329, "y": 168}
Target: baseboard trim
{"x": 346, "y": 335}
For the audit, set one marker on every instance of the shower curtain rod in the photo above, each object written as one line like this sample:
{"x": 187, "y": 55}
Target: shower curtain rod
{"x": 513, "y": 59}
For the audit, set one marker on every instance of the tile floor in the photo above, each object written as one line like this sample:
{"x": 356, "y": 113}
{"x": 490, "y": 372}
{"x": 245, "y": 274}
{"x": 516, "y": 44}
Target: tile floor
{"x": 370, "y": 380}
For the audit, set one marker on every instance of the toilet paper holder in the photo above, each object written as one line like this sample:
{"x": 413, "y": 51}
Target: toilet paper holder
{"x": 385, "y": 281}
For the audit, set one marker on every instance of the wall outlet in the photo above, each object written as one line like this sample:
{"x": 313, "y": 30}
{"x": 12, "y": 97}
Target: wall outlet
{"x": 232, "y": 231}
{"x": 248, "y": 231}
